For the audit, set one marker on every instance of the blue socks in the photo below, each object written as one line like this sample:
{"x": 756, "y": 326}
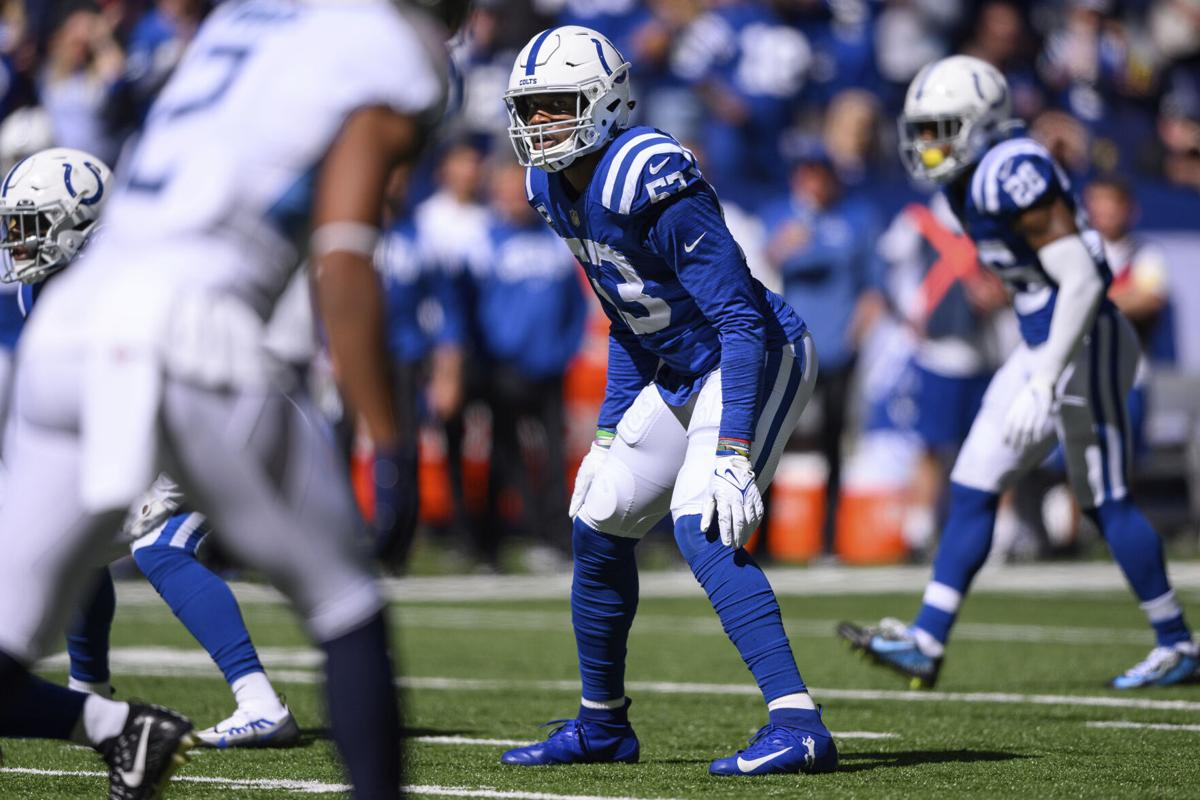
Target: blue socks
{"x": 364, "y": 714}
{"x": 203, "y": 603}
{"x": 966, "y": 540}
{"x": 1138, "y": 550}
{"x": 31, "y": 708}
{"x": 87, "y": 635}
{"x": 604, "y": 598}
{"x": 746, "y": 605}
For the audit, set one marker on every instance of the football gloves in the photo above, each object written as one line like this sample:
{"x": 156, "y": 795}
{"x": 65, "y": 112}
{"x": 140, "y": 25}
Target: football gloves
{"x": 734, "y": 499}
{"x": 589, "y": 467}
{"x": 1029, "y": 415}
{"x": 394, "y": 476}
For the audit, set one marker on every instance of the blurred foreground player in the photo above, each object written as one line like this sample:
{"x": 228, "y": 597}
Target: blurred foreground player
{"x": 1067, "y": 382}
{"x": 147, "y": 355}
{"x": 51, "y": 202}
{"x": 707, "y": 375}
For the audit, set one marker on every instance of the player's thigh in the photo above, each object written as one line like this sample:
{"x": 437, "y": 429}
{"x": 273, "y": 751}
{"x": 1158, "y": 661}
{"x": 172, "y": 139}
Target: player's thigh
{"x": 788, "y": 378}
{"x": 1094, "y": 417}
{"x": 632, "y": 490}
{"x": 263, "y": 469}
{"x": 49, "y": 542}
{"x": 986, "y": 462}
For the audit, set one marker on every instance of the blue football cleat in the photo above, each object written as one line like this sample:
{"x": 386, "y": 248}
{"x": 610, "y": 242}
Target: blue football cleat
{"x": 580, "y": 741}
{"x": 802, "y": 744}
{"x": 1165, "y": 666}
{"x": 891, "y": 644}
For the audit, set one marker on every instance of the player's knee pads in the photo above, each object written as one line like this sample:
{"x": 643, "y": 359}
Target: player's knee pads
{"x": 593, "y": 547}
{"x": 692, "y": 541}
{"x": 610, "y": 499}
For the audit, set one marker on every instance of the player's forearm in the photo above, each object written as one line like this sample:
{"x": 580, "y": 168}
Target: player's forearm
{"x": 741, "y": 360}
{"x": 1080, "y": 291}
{"x": 351, "y": 304}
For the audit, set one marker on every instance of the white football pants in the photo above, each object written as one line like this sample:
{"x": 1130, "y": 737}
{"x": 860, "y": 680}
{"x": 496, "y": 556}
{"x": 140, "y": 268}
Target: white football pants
{"x": 256, "y": 462}
{"x": 662, "y": 458}
{"x": 1091, "y": 421}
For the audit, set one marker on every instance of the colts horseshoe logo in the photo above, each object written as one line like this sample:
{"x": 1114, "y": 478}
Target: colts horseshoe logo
{"x": 92, "y": 168}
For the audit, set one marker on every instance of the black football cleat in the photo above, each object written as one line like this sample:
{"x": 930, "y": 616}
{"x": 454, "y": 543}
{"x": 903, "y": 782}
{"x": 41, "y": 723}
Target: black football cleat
{"x": 142, "y": 758}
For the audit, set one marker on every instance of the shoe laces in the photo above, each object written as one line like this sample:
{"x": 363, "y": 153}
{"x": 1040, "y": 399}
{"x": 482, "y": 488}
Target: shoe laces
{"x": 1158, "y": 658}
{"x": 562, "y": 729}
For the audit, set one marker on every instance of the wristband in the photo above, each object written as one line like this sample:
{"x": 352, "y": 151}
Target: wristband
{"x": 727, "y": 446}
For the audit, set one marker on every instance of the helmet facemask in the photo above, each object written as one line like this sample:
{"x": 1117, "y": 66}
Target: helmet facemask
{"x": 597, "y": 113}
{"x": 39, "y": 240}
{"x": 935, "y": 148}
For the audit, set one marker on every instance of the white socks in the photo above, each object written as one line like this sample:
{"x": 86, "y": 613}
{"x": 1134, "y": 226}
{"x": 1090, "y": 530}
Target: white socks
{"x": 605, "y": 705}
{"x": 102, "y": 719}
{"x": 104, "y": 689}
{"x": 255, "y": 695}
{"x": 800, "y": 700}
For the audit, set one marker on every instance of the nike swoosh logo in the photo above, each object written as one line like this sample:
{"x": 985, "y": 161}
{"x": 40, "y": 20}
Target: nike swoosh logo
{"x": 753, "y": 764}
{"x": 133, "y": 778}
{"x": 687, "y": 248}
{"x": 654, "y": 168}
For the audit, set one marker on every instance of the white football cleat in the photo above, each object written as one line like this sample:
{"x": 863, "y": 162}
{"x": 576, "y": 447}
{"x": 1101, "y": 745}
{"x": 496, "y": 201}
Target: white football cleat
{"x": 243, "y": 729}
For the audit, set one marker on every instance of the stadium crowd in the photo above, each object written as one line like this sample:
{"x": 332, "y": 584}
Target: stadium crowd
{"x": 790, "y": 108}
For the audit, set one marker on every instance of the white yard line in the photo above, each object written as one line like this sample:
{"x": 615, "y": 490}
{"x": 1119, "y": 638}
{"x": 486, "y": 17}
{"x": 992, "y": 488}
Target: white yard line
{"x": 171, "y": 662}
{"x": 1037, "y": 579}
{"x": 1121, "y": 724}
{"x": 317, "y": 787}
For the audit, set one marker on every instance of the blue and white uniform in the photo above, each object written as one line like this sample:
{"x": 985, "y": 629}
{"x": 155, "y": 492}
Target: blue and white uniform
{"x": 698, "y": 347}
{"x": 1091, "y": 419}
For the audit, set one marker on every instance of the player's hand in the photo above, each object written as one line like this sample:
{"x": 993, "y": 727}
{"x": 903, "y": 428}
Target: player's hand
{"x": 590, "y": 465}
{"x": 1029, "y": 414}
{"x": 394, "y": 477}
{"x": 734, "y": 499}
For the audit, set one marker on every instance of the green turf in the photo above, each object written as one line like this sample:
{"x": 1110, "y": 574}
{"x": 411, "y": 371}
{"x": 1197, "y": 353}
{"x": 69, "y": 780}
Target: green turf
{"x": 941, "y": 749}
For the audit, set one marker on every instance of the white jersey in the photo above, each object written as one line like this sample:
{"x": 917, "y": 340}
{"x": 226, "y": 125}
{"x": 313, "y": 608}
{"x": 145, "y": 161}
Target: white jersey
{"x": 227, "y": 164}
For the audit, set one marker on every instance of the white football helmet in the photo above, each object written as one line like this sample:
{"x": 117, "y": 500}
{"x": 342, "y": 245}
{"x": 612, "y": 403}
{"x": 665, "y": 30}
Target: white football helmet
{"x": 954, "y": 110}
{"x": 582, "y": 64}
{"x": 49, "y": 204}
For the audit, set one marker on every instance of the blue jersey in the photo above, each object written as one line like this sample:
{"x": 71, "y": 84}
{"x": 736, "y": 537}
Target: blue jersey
{"x": 12, "y": 314}
{"x": 1015, "y": 175}
{"x": 531, "y": 306}
{"x": 649, "y": 233}
{"x": 421, "y": 309}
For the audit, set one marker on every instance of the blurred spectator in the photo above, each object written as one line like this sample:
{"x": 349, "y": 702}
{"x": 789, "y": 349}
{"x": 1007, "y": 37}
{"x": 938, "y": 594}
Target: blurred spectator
{"x": 823, "y": 243}
{"x": 748, "y": 68}
{"x": 1141, "y": 279}
{"x": 452, "y": 227}
{"x": 1002, "y": 39}
{"x": 940, "y": 290}
{"x": 154, "y": 47}
{"x": 82, "y": 64}
{"x": 1179, "y": 128}
{"x": 23, "y": 133}
{"x": 424, "y": 332}
{"x": 851, "y": 135}
{"x": 1067, "y": 140}
{"x": 910, "y": 35}
{"x": 531, "y": 311}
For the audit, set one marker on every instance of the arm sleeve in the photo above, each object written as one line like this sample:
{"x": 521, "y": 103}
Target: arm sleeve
{"x": 630, "y": 368}
{"x": 690, "y": 234}
{"x": 1080, "y": 289}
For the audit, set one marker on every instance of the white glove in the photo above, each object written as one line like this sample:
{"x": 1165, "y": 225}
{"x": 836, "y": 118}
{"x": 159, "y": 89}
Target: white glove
{"x": 733, "y": 495}
{"x": 588, "y": 468}
{"x": 1029, "y": 414}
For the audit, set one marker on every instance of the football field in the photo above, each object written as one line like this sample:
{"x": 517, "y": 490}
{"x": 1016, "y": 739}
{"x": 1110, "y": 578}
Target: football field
{"x": 1020, "y": 710}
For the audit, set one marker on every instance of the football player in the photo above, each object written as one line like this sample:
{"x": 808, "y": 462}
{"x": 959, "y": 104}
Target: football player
{"x": 1067, "y": 382}
{"x": 707, "y": 375}
{"x": 64, "y": 189}
{"x": 147, "y": 356}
